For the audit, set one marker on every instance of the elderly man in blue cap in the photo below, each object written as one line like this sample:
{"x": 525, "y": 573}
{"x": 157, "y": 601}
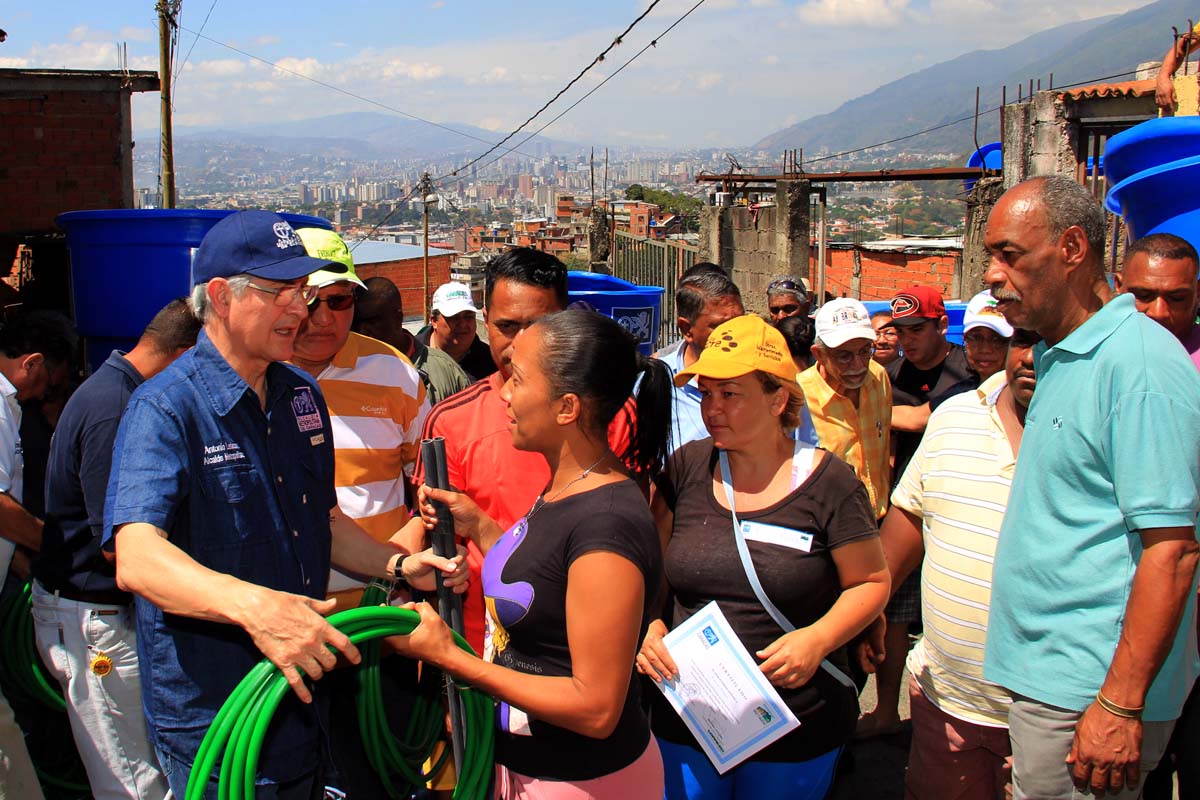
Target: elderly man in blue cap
{"x": 222, "y": 510}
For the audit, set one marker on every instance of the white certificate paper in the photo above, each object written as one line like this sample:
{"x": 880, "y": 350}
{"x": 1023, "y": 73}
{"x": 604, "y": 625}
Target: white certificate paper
{"x": 725, "y": 700}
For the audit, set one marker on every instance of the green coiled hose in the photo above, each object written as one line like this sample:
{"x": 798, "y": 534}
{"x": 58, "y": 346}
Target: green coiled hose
{"x": 20, "y": 665}
{"x": 31, "y": 690}
{"x": 397, "y": 761}
{"x": 240, "y": 726}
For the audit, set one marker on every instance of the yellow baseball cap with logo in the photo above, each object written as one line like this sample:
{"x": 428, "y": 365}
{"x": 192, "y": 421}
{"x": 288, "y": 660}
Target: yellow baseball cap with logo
{"x": 740, "y": 346}
{"x": 327, "y": 244}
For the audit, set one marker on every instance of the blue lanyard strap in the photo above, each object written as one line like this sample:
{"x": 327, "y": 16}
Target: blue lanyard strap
{"x": 802, "y": 460}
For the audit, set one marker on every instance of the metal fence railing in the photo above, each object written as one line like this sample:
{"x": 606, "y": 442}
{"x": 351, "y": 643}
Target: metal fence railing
{"x": 647, "y": 262}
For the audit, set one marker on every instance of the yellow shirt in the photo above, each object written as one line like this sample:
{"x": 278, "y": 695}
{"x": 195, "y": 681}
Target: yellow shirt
{"x": 859, "y": 436}
{"x": 377, "y": 407}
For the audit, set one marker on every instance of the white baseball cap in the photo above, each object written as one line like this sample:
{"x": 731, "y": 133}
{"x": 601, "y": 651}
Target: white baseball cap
{"x": 982, "y": 313}
{"x": 843, "y": 320}
{"x": 453, "y": 298}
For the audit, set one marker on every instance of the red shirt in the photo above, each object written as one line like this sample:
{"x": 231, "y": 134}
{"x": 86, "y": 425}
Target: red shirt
{"x": 482, "y": 463}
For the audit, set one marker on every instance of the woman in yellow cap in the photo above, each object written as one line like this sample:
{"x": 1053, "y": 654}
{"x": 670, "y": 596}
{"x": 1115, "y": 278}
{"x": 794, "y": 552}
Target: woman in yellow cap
{"x": 783, "y": 537}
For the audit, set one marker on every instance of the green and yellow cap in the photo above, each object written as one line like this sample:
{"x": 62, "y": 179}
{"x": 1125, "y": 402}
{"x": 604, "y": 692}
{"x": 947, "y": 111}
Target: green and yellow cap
{"x": 328, "y": 245}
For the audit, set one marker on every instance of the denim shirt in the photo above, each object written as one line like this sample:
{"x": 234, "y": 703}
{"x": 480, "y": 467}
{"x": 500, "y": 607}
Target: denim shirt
{"x": 242, "y": 492}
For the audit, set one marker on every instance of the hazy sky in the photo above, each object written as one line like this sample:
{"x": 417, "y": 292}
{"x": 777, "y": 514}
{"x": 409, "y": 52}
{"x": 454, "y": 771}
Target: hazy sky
{"x": 732, "y": 72}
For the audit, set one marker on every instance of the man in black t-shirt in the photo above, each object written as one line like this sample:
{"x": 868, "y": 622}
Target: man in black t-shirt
{"x": 929, "y": 367}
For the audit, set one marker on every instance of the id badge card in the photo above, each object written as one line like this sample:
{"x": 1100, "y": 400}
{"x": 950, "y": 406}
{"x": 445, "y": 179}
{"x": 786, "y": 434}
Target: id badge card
{"x": 777, "y": 535}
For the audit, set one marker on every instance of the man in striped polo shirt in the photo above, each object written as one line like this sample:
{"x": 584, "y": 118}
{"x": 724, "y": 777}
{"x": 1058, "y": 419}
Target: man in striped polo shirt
{"x": 947, "y": 508}
{"x": 376, "y": 403}
{"x": 377, "y": 407}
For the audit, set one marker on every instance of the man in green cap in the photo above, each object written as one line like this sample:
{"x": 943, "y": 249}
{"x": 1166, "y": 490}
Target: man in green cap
{"x": 376, "y": 401}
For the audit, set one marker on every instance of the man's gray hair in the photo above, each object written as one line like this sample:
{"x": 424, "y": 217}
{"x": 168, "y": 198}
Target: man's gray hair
{"x": 1067, "y": 204}
{"x": 199, "y": 299}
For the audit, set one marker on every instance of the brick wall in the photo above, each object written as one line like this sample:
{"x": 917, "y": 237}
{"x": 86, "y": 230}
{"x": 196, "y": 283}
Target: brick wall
{"x": 878, "y": 276}
{"x": 409, "y": 276}
{"x": 64, "y": 145}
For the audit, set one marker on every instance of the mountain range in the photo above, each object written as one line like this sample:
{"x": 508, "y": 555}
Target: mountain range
{"x": 1079, "y": 52}
{"x": 375, "y": 136}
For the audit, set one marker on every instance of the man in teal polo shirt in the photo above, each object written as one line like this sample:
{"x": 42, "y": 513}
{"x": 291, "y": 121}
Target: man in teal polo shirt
{"x": 1095, "y": 564}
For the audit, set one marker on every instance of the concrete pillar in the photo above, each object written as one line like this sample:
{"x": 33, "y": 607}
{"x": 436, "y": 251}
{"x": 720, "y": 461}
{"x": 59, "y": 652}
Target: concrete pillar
{"x": 968, "y": 274}
{"x": 1016, "y": 121}
{"x": 856, "y": 276}
{"x": 757, "y": 244}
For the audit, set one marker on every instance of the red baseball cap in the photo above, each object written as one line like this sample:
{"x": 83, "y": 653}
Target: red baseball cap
{"x": 915, "y": 305}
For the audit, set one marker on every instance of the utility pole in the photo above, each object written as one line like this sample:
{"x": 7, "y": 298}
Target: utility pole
{"x": 426, "y": 189}
{"x": 612, "y": 226}
{"x": 166, "y": 20}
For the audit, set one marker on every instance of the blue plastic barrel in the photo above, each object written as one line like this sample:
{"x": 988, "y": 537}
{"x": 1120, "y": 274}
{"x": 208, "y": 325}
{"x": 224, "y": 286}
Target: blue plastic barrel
{"x": 637, "y": 308}
{"x": 989, "y": 156}
{"x": 955, "y": 311}
{"x": 1153, "y": 169}
{"x": 126, "y": 264}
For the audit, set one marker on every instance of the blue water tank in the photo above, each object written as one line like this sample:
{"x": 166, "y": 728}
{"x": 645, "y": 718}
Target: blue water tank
{"x": 989, "y": 156}
{"x": 126, "y": 264}
{"x": 1153, "y": 169}
{"x": 637, "y": 308}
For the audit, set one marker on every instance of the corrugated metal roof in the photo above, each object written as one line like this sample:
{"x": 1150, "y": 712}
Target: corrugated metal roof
{"x": 1121, "y": 89}
{"x": 372, "y": 252}
{"x": 914, "y": 243}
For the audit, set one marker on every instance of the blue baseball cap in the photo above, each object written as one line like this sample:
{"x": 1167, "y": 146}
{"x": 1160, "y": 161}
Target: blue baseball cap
{"x": 259, "y": 243}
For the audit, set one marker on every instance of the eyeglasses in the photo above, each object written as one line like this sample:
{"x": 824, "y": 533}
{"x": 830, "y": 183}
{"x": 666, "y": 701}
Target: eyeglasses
{"x": 844, "y": 359}
{"x": 790, "y": 308}
{"x": 286, "y": 295}
{"x": 982, "y": 341}
{"x": 336, "y": 302}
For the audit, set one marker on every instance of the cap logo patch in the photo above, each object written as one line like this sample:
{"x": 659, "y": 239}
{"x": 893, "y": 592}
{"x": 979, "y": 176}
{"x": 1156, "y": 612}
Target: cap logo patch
{"x": 846, "y": 316}
{"x": 726, "y": 342}
{"x": 285, "y": 236}
{"x": 905, "y": 305}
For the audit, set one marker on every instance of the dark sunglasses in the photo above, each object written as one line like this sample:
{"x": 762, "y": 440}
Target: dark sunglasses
{"x": 336, "y": 302}
{"x": 790, "y": 308}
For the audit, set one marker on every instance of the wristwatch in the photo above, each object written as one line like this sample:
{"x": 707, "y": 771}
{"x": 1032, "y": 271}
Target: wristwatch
{"x": 398, "y": 569}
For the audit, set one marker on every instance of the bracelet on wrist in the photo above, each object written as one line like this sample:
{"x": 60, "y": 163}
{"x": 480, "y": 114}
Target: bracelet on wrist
{"x": 1118, "y": 710}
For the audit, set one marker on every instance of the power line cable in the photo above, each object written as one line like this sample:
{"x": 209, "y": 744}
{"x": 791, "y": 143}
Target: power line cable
{"x": 594, "y": 89}
{"x": 193, "y": 46}
{"x": 620, "y": 37}
{"x": 953, "y": 122}
{"x": 454, "y": 173}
